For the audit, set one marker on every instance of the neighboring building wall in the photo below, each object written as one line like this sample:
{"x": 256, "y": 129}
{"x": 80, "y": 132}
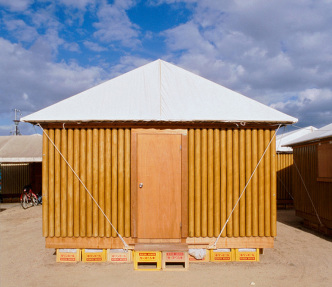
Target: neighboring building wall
{"x": 14, "y": 177}
{"x": 220, "y": 163}
{"x": 284, "y": 179}
{"x": 305, "y": 158}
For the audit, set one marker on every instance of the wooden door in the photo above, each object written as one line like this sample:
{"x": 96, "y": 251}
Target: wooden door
{"x": 159, "y": 186}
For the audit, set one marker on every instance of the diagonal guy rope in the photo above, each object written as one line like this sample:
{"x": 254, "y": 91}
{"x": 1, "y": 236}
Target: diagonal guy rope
{"x": 305, "y": 187}
{"x": 121, "y": 238}
{"x": 214, "y": 245}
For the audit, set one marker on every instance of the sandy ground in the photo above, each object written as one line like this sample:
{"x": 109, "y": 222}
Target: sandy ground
{"x": 300, "y": 258}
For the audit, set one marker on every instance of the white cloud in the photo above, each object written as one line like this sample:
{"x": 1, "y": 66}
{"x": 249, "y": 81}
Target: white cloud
{"x": 80, "y": 4}
{"x": 43, "y": 82}
{"x": 312, "y": 106}
{"x": 21, "y": 30}
{"x": 115, "y": 26}
{"x": 94, "y": 46}
{"x": 16, "y": 5}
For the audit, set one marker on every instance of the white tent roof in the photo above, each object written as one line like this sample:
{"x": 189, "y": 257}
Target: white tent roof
{"x": 159, "y": 91}
{"x": 283, "y": 139}
{"x": 21, "y": 148}
{"x": 322, "y": 133}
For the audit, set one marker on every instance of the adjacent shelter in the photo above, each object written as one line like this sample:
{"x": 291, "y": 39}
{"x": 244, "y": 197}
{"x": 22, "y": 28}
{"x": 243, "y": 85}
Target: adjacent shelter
{"x": 312, "y": 183}
{"x": 285, "y": 167}
{"x": 20, "y": 164}
{"x": 165, "y": 153}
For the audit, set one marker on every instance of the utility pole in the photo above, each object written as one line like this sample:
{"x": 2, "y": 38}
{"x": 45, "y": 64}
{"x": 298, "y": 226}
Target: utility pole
{"x": 16, "y": 121}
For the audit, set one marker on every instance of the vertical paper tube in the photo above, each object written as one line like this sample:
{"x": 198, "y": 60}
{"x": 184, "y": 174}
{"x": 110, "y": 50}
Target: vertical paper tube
{"x": 89, "y": 180}
{"x": 267, "y": 177}
{"x": 127, "y": 183}
{"x": 63, "y": 183}
{"x": 261, "y": 183}
{"x": 204, "y": 183}
{"x": 191, "y": 185}
{"x": 121, "y": 181}
{"x": 254, "y": 182}
{"x": 273, "y": 187}
{"x": 236, "y": 182}
{"x": 249, "y": 195}
{"x": 242, "y": 161}
{"x": 45, "y": 183}
{"x": 101, "y": 182}
{"x": 95, "y": 178}
{"x": 223, "y": 181}
{"x": 216, "y": 188}
{"x": 51, "y": 184}
{"x": 83, "y": 178}
{"x": 108, "y": 180}
{"x": 70, "y": 184}
{"x": 197, "y": 183}
{"x": 210, "y": 182}
{"x": 114, "y": 180}
{"x": 57, "y": 182}
{"x": 76, "y": 183}
{"x": 229, "y": 192}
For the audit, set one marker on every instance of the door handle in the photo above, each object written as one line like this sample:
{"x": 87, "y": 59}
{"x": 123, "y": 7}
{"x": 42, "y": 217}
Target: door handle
{"x": 141, "y": 185}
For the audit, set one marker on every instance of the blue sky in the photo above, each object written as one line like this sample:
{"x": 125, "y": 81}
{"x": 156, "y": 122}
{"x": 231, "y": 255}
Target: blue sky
{"x": 278, "y": 52}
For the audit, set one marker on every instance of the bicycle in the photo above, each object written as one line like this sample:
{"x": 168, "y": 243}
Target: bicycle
{"x": 28, "y": 198}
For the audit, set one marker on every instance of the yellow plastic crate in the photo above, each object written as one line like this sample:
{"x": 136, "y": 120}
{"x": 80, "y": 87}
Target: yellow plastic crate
{"x": 247, "y": 255}
{"x": 146, "y": 259}
{"x": 175, "y": 261}
{"x": 94, "y": 255}
{"x": 68, "y": 255}
{"x": 222, "y": 255}
{"x": 119, "y": 255}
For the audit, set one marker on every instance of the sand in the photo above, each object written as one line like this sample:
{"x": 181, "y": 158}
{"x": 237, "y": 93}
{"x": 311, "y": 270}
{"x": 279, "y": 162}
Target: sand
{"x": 300, "y": 258}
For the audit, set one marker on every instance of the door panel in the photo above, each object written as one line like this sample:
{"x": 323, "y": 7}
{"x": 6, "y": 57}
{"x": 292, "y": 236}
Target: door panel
{"x": 159, "y": 198}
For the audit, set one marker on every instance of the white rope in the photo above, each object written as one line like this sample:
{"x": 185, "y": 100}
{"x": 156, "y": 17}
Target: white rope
{"x": 305, "y": 187}
{"x": 123, "y": 241}
{"x": 285, "y": 187}
{"x": 213, "y": 246}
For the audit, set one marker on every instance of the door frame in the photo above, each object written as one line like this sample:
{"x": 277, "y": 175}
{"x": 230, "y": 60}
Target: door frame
{"x": 184, "y": 176}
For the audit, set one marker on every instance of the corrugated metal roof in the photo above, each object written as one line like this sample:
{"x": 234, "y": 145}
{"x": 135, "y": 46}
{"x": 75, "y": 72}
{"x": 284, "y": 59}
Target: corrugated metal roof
{"x": 283, "y": 139}
{"x": 159, "y": 91}
{"x": 319, "y": 134}
{"x": 21, "y": 148}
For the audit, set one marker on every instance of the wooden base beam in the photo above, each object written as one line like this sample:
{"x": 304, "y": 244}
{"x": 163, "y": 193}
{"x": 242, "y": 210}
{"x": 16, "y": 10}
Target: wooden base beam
{"x": 232, "y": 242}
{"x": 192, "y": 242}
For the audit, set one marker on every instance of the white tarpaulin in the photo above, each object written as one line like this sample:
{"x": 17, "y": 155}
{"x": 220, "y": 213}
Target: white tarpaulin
{"x": 21, "y": 148}
{"x": 322, "y": 133}
{"x": 283, "y": 139}
{"x": 159, "y": 91}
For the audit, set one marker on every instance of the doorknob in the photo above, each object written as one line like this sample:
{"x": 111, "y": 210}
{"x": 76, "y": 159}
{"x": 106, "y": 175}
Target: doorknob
{"x": 141, "y": 185}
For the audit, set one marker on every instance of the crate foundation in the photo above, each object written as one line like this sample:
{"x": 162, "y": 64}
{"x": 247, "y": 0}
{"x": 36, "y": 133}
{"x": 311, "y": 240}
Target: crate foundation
{"x": 68, "y": 255}
{"x": 222, "y": 255}
{"x": 147, "y": 260}
{"x": 175, "y": 261}
{"x": 94, "y": 255}
{"x": 119, "y": 256}
{"x": 247, "y": 255}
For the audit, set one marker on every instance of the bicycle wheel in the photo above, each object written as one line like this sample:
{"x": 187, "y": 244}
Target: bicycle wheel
{"x": 34, "y": 199}
{"x": 24, "y": 201}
